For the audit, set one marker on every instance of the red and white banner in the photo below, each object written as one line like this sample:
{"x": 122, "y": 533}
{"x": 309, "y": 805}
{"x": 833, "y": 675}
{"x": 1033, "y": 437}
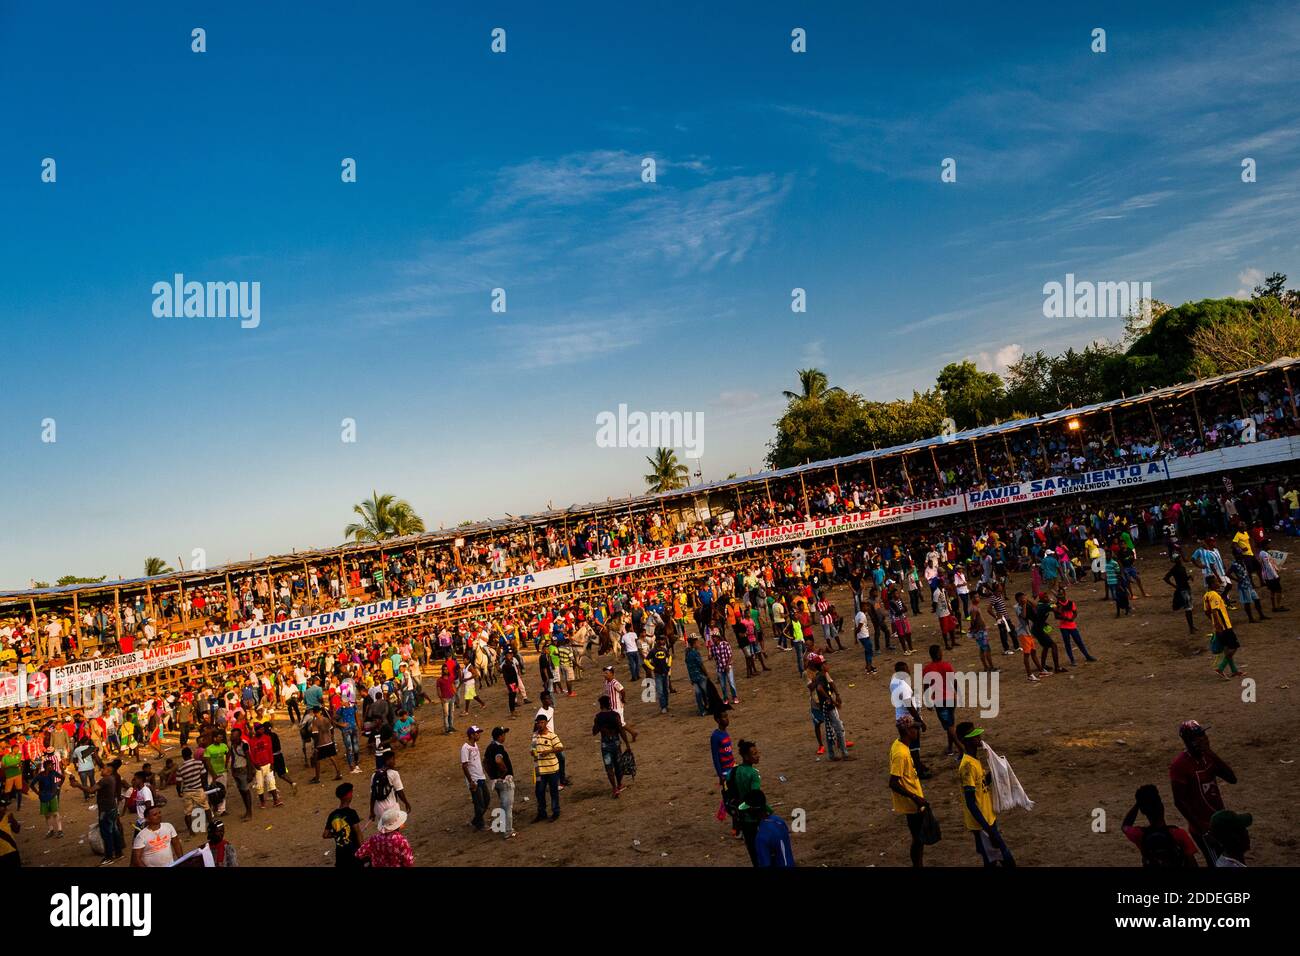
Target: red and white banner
{"x": 853, "y": 521}
{"x": 12, "y": 689}
{"x": 690, "y": 551}
{"x": 101, "y": 670}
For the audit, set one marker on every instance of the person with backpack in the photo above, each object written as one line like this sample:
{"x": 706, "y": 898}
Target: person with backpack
{"x": 1162, "y": 846}
{"x": 386, "y": 791}
{"x": 742, "y": 783}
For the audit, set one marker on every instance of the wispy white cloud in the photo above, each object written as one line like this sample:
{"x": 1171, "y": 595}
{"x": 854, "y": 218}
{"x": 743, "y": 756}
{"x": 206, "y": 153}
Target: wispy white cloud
{"x": 531, "y": 347}
{"x": 1249, "y": 278}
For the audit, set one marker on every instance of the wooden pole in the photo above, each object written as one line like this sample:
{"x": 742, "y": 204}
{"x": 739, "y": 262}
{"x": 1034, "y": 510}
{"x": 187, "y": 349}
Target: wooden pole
{"x": 76, "y": 618}
{"x": 1154, "y": 423}
{"x": 937, "y": 473}
{"x": 1295, "y": 409}
{"x": 807, "y": 511}
{"x": 767, "y": 486}
{"x": 230, "y": 601}
{"x": 1240, "y": 400}
{"x": 979, "y": 472}
{"x": 1199, "y": 424}
{"x": 875, "y": 489}
{"x": 1041, "y": 447}
{"x": 903, "y": 459}
{"x": 180, "y": 597}
{"x": 1006, "y": 446}
{"x": 117, "y": 613}
{"x": 36, "y": 629}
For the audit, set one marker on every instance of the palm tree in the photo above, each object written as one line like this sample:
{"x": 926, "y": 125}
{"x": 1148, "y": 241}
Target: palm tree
{"x": 815, "y": 386}
{"x": 668, "y": 474}
{"x": 383, "y": 516}
{"x": 155, "y": 566}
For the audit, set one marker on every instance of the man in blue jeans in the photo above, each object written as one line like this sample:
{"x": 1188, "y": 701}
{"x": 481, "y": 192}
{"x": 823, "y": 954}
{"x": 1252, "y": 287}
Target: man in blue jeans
{"x": 660, "y": 665}
{"x": 695, "y": 671}
{"x": 110, "y": 826}
{"x": 346, "y": 719}
{"x": 633, "y": 654}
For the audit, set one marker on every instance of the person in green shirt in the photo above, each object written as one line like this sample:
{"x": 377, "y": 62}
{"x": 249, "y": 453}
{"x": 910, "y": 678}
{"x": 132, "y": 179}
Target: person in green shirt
{"x": 745, "y": 780}
{"x": 214, "y": 758}
{"x": 12, "y": 763}
{"x": 796, "y": 639}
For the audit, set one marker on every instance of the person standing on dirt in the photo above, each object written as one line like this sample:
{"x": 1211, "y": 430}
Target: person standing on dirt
{"x": 742, "y": 783}
{"x": 613, "y": 737}
{"x": 1177, "y": 578}
{"x": 323, "y": 745}
{"x": 1193, "y": 775}
{"x": 905, "y": 785}
{"x": 977, "y": 809}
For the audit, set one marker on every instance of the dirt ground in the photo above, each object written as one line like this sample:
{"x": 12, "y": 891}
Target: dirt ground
{"x": 1078, "y": 742}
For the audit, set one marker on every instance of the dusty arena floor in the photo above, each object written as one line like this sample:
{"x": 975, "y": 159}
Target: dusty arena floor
{"x": 1078, "y": 742}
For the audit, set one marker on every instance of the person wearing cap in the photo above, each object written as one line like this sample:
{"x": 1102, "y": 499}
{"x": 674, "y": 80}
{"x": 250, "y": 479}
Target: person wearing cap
{"x": 1231, "y": 833}
{"x": 471, "y": 764}
{"x": 905, "y": 786}
{"x": 977, "y": 810}
{"x": 546, "y": 747}
{"x": 1193, "y": 775}
{"x": 617, "y": 697}
{"x": 388, "y": 848}
{"x": 223, "y": 853}
{"x": 772, "y": 838}
{"x": 502, "y": 774}
{"x": 907, "y": 704}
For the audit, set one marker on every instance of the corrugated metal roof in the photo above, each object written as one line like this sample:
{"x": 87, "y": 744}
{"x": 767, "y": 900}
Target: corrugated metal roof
{"x": 655, "y": 500}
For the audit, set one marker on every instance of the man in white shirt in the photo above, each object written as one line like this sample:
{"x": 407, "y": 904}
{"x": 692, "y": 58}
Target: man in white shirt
{"x": 904, "y": 702}
{"x": 862, "y": 632}
{"x": 633, "y": 653}
{"x": 471, "y": 764}
{"x": 156, "y": 844}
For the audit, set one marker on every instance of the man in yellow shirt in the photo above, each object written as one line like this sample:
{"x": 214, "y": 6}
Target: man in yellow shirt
{"x": 905, "y": 785}
{"x": 1241, "y": 541}
{"x": 546, "y": 758}
{"x": 1224, "y": 643}
{"x": 977, "y": 806}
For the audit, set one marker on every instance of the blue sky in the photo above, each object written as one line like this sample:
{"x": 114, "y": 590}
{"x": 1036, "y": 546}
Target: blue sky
{"x": 522, "y": 171}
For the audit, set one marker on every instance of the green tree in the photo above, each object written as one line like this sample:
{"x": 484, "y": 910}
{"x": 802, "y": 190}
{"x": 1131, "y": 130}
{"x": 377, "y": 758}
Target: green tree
{"x": 383, "y": 516}
{"x": 666, "y": 472}
{"x": 972, "y": 397}
{"x": 814, "y": 386}
{"x": 1267, "y": 332}
{"x": 77, "y": 579}
{"x": 155, "y": 566}
{"x": 1275, "y": 287}
{"x": 844, "y": 423}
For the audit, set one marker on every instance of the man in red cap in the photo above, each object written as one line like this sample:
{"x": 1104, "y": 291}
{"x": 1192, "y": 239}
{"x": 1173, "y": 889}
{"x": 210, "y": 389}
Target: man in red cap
{"x": 1193, "y": 776}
